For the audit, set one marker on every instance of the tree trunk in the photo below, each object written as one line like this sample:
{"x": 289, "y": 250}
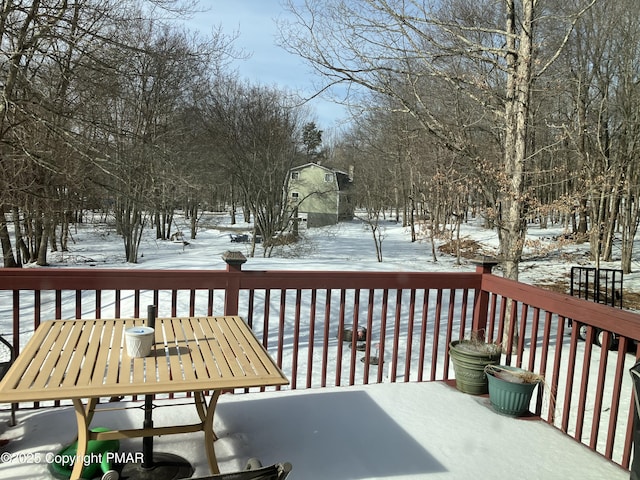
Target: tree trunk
{"x": 64, "y": 232}
{"x": 52, "y": 237}
{"x": 631, "y": 217}
{"x": 629, "y": 230}
{"x": 458, "y": 219}
{"x": 412, "y": 213}
{"x": 610, "y": 227}
{"x": 130, "y": 224}
{"x": 21, "y": 248}
{"x": 582, "y": 222}
{"x": 193, "y": 218}
{"x": 45, "y": 232}
{"x": 432, "y": 239}
{"x": 519, "y": 63}
{"x": 5, "y": 240}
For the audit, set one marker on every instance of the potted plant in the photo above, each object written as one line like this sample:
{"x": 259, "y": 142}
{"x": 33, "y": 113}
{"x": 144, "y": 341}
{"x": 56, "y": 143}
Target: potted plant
{"x": 470, "y": 357}
{"x": 347, "y": 334}
{"x": 511, "y": 389}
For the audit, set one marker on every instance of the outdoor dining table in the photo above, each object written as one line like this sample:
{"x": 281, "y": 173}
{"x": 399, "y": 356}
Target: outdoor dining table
{"x": 86, "y": 360}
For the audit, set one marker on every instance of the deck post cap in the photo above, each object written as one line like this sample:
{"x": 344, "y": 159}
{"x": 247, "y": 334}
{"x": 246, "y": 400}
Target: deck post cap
{"x": 486, "y": 260}
{"x": 234, "y": 257}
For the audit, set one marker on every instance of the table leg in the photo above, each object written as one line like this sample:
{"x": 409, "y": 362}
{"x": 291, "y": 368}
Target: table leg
{"x": 90, "y": 410}
{"x": 201, "y": 407}
{"x": 206, "y": 413}
{"x": 83, "y": 418}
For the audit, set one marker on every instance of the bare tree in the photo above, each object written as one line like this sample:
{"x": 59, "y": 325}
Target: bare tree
{"x": 371, "y": 149}
{"x": 49, "y": 142}
{"x": 405, "y": 49}
{"x": 255, "y": 135}
{"x": 602, "y": 123}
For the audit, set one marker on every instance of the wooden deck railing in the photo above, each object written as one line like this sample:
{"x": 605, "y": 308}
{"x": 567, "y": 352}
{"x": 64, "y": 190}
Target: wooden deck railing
{"x": 410, "y": 318}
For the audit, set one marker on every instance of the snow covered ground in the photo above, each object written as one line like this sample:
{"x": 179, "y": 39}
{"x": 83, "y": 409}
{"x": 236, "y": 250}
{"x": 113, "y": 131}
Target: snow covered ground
{"x": 406, "y": 431}
{"x": 400, "y": 430}
{"x": 346, "y": 246}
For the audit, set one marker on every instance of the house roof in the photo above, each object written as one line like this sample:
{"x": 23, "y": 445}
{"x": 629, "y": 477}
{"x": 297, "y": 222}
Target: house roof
{"x": 313, "y": 164}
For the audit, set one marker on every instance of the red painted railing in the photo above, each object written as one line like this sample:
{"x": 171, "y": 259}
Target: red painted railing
{"x": 409, "y": 317}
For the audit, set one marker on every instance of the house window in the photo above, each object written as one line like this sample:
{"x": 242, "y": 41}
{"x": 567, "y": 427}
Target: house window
{"x": 294, "y": 196}
{"x": 295, "y": 175}
{"x": 328, "y": 177}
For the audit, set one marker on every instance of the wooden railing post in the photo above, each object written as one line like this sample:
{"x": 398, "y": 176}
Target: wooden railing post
{"x": 234, "y": 261}
{"x": 484, "y": 266}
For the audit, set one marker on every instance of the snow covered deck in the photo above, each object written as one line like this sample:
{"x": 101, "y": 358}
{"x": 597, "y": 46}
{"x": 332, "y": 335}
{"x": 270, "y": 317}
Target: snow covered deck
{"x": 390, "y": 430}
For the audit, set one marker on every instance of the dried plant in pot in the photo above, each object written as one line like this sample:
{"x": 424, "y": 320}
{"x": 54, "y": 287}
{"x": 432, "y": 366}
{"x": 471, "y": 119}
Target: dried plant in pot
{"x": 511, "y": 389}
{"x": 470, "y": 357}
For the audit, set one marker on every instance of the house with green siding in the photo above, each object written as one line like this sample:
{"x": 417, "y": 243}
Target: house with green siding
{"x": 320, "y": 195}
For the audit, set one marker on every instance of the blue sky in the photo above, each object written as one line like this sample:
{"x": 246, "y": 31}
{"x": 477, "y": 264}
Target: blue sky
{"x": 270, "y": 65}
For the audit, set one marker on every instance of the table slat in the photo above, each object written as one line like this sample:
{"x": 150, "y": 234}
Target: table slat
{"x": 81, "y": 357}
{"x": 54, "y": 365}
{"x": 37, "y": 349}
{"x": 104, "y": 349}
{"x": 175, "y": 369}
{"x": 197, "y": 354}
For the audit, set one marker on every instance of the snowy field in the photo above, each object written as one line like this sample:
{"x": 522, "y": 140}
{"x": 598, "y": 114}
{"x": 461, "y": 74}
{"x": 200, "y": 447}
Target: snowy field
{"x": 346, "y": 246}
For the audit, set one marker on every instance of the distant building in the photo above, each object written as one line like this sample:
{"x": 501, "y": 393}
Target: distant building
{"x": 320, "y": 195}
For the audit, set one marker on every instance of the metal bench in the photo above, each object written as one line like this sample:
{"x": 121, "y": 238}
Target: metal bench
{"x": 239, "y": 238}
